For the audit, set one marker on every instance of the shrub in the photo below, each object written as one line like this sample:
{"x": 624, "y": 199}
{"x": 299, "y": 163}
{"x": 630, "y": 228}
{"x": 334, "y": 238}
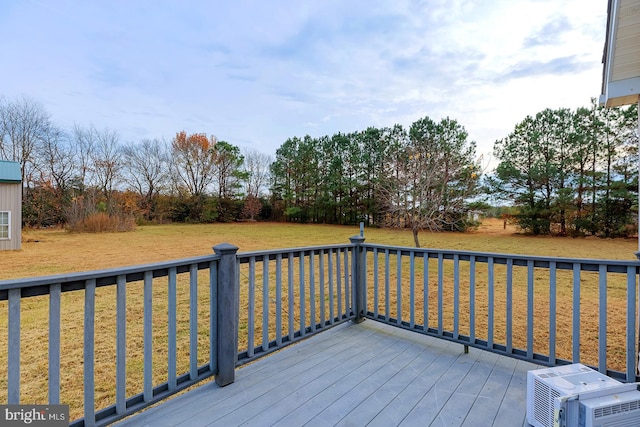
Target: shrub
{"x": 101, "y": 222}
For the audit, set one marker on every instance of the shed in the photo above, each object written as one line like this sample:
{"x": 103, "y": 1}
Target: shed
{"x": 10, "y": 205}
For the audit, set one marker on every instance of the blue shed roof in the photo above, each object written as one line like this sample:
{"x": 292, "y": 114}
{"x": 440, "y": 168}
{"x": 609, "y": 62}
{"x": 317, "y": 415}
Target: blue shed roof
{"x": 10, "y": 171}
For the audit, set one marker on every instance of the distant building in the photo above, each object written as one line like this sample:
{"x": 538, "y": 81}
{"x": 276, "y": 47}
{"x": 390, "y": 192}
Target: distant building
{"x": 10, "y": 205}
{"x": 475, "y": 215}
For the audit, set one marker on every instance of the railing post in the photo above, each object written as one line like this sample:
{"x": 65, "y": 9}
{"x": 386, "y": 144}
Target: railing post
{"x": 358, "y": 279}
{"x": 228, "y": 301}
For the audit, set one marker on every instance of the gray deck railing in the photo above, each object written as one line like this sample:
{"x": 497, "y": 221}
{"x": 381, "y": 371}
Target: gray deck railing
{"x": 291, "y": 294}
{"x": 242, "y": 310}
{"x": 544, "y": 310}
{"x": 137, "y": 286}
{"x": 177, "y": 323}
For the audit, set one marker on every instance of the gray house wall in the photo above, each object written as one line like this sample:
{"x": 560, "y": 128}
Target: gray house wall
{"x": 11, "y": 201}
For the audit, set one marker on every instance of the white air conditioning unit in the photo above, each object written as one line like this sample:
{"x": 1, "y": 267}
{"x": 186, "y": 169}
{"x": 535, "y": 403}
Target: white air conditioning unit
{"x": 577, "y": 396}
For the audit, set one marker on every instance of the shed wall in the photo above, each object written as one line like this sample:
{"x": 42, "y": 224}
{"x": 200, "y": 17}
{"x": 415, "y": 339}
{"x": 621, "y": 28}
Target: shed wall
{"x": 11, "y": 200}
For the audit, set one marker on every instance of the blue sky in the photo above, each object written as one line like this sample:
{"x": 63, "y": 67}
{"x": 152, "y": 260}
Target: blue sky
{"x": 255, "y": 73}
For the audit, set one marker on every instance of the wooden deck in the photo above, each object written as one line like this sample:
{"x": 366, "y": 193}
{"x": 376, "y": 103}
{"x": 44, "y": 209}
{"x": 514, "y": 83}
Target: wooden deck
{"x": 355, "y": 375}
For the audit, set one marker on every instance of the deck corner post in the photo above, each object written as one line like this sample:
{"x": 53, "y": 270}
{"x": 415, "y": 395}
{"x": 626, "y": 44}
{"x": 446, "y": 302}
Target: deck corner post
{"x": 227, "y": 313}
{"x": 358, "y": 278}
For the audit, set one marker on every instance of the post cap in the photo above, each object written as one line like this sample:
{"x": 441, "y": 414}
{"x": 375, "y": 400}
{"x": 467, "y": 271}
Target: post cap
{"x": 225, "y": 249}
{"x": 357, "y": 239}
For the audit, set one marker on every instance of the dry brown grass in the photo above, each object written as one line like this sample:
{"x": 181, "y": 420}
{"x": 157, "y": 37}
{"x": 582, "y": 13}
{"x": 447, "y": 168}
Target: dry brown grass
{"x": 47, "y": 252}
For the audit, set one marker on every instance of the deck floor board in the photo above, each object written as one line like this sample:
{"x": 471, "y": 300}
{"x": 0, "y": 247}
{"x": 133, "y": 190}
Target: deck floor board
{"x": 358, "y": 374}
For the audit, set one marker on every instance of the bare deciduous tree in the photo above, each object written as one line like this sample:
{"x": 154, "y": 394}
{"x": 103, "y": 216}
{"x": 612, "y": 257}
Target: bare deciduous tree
{"x": 106, "y": 162}
{"x": 256, "y": 168}
{"x": 45, "y": 203}
{"x": 147, "y": 167}
{"x": 85, "y": 142}
{"x": 23, "y": 123}
{"x": 56, "y": 160}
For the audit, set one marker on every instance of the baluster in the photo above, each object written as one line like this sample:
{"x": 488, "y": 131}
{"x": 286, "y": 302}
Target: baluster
{"x": 412, "y": 290}
{"x": 440, "y": 293}
{"x": 491, "y": 296}
{"x": 265, "y": 303}
{"x": 252, "y": 307}
{"x": 323, "y": 314}
{"x": 121, "y": 344}
{"x": 331, "y": 293}
{"x": 172, "y": 327}
{"x": 376, "y": 295}
{"x": 312, "y": 292}
{"x": 576, "y": 313}
{"x": 425, "y": 291}
{"x": 552, "y": 312}
{"x": 509, "y": 307}
{"x": 13, "y": 356}
{"x": 387, "y": 286}
{"x": 279, "y": 299}
{"x": 530, "y": 308}
{"x": 213, "y": 316}
{"x": 290, "y": 296}
{"x": 456, "y": 296}
{"x": 54, "y": 344}
{"x": 347, "y": 287}
{"x": 472, "y": 299}
{"x": 193, "y": 321}
{"x": 399, "y": 287}
{"x": 301, "y": 294}
{"x": 148, "y": 336}
{"x": 339, "y": 283}
{"x": 89, "y": 352}
{"x": 602, "y": 317}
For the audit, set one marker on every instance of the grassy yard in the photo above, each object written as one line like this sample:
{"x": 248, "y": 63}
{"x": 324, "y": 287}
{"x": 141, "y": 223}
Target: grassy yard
{"x": 46, "y": 252}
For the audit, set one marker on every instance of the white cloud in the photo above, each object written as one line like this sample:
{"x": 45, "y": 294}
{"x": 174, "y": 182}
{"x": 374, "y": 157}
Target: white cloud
{"x": 255, "y": 73}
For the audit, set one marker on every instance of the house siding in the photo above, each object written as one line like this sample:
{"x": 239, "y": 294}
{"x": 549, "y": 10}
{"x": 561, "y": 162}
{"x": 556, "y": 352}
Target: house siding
{"x": 11, "y": 201}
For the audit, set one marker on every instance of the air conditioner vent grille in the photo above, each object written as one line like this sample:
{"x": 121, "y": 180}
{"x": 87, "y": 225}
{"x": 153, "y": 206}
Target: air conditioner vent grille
{"x": 617, "y": 409}
{"x": 548, "y": 375}
{"x": 543, "y": 407}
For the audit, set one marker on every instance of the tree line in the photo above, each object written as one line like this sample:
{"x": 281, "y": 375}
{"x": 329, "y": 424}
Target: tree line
{"x": 571, "y": 172}
{"x": 73, "y": 175}
{"x": 560, "y": 171}
{"x": 418, "y": 178}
